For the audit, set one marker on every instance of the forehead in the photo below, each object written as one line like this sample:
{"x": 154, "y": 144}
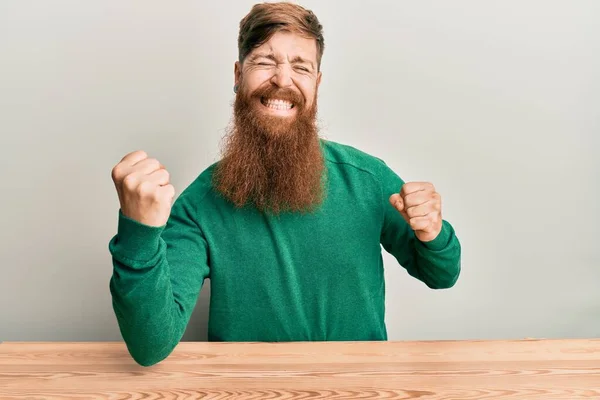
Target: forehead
{"x": 287, "y": 44}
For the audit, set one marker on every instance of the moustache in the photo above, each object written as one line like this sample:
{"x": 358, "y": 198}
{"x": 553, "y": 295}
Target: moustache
{"x": 273, "y": 92}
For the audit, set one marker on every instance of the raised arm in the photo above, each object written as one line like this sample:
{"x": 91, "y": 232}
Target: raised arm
{"x": 415, "y": 233}
{"x": 159, "y": 260}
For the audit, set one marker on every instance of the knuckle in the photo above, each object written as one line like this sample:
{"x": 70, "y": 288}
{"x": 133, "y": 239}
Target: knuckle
{"x": 142, "y": 153}
{"x": 145, "y": 189}
{"x": 131, "y": 154}
{"x": 414, "y": 223}
{"x": 412, "y": 201}
{"x": 129, "y": 181}
{"x": 137, "y": 154}
{"x": 155, "y": 162}
{"x": 404, "y": 189}
{"x": 115, "y": 173}
{"x": 406, "y": 198}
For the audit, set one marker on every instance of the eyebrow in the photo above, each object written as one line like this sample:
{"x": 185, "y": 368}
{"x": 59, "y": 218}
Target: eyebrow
{"x": 271, "y": 56}
{"x": 300, "y": 60}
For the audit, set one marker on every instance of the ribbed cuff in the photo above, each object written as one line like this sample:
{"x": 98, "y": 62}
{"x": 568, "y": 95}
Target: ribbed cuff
{"x": 134, "y": 240}
{"x": 441, "y": 240}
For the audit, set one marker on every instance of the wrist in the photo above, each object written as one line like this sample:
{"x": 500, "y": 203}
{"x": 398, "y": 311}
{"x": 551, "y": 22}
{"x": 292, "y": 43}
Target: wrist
{"x": 135, "y": 240}
{"x": 436, "y": 240}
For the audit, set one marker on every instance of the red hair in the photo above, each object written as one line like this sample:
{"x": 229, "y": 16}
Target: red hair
{"x": 265, "y": 19}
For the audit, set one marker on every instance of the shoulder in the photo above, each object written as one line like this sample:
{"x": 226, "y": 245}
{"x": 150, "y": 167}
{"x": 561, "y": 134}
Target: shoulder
{"x": 347, "y": 157}
{"x": 196, "y": 192}
{"x": 350, "y": 157}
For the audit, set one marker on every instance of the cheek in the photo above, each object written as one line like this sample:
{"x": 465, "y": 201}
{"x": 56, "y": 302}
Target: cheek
{"x": 309, "y": 94}
{"x": 255, "y": 79}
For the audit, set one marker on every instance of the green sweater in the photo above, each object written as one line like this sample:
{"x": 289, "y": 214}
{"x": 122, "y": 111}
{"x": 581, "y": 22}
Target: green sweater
{"x": 315, "y": 277}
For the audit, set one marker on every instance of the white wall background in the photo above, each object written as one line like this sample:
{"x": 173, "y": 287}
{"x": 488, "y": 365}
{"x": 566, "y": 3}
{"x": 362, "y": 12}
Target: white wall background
{"x": 496, "y": 102}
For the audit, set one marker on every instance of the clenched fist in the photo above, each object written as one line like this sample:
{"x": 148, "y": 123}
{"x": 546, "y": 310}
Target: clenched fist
{"x": 421, "y": 207}
{"x": 144, "y": 190}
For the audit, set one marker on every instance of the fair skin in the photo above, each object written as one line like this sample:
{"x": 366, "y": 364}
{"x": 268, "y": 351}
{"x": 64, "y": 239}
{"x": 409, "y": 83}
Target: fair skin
{"x": 289, "y": 61}
{"x": 421, "y": 207}
{"x": 286, "y": 60}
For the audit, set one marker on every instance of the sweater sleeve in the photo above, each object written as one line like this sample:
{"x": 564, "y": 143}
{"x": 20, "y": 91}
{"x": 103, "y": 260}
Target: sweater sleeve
{"x": 436, "y": 263}
{"x": 157, "y": 276}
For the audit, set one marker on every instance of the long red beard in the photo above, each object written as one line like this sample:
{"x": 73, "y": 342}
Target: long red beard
{"x": 272, "y": 163}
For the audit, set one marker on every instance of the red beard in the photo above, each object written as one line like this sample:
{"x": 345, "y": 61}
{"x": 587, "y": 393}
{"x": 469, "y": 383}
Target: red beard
{"x": 273, "y": 163}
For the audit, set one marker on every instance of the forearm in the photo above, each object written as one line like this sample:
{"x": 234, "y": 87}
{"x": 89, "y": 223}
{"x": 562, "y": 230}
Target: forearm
{"x": 438, "y": 263}
{"x": 151, "y": 310}
{"x": 149, "y": 317}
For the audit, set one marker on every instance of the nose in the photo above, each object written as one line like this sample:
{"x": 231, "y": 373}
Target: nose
{"x": 282, "y": 76}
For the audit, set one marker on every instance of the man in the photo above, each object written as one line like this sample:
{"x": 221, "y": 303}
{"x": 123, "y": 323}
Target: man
{"x": 287, "y": 226}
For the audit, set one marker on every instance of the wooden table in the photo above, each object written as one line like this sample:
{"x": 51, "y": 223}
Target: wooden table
{"x": 429, "y": 370}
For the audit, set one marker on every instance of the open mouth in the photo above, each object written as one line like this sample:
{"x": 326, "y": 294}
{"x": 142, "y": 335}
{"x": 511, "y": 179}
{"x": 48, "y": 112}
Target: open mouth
{"x": 277, "y": 104}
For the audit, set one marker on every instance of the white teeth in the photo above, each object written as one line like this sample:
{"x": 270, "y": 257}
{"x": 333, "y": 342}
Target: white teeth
{"x": 278, "y": 104}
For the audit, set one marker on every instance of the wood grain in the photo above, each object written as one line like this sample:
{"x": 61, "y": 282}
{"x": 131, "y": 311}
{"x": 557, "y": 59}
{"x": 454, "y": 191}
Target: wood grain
{"x": 428, "y": 370}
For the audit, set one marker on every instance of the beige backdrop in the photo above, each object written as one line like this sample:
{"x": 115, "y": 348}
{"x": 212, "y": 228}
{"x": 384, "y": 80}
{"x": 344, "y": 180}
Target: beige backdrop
{"x": 497, "y": 103}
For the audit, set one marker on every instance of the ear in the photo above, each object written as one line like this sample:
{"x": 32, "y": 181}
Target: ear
{"x": 319, "y": 75}
{"x": 237, "y": 73}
